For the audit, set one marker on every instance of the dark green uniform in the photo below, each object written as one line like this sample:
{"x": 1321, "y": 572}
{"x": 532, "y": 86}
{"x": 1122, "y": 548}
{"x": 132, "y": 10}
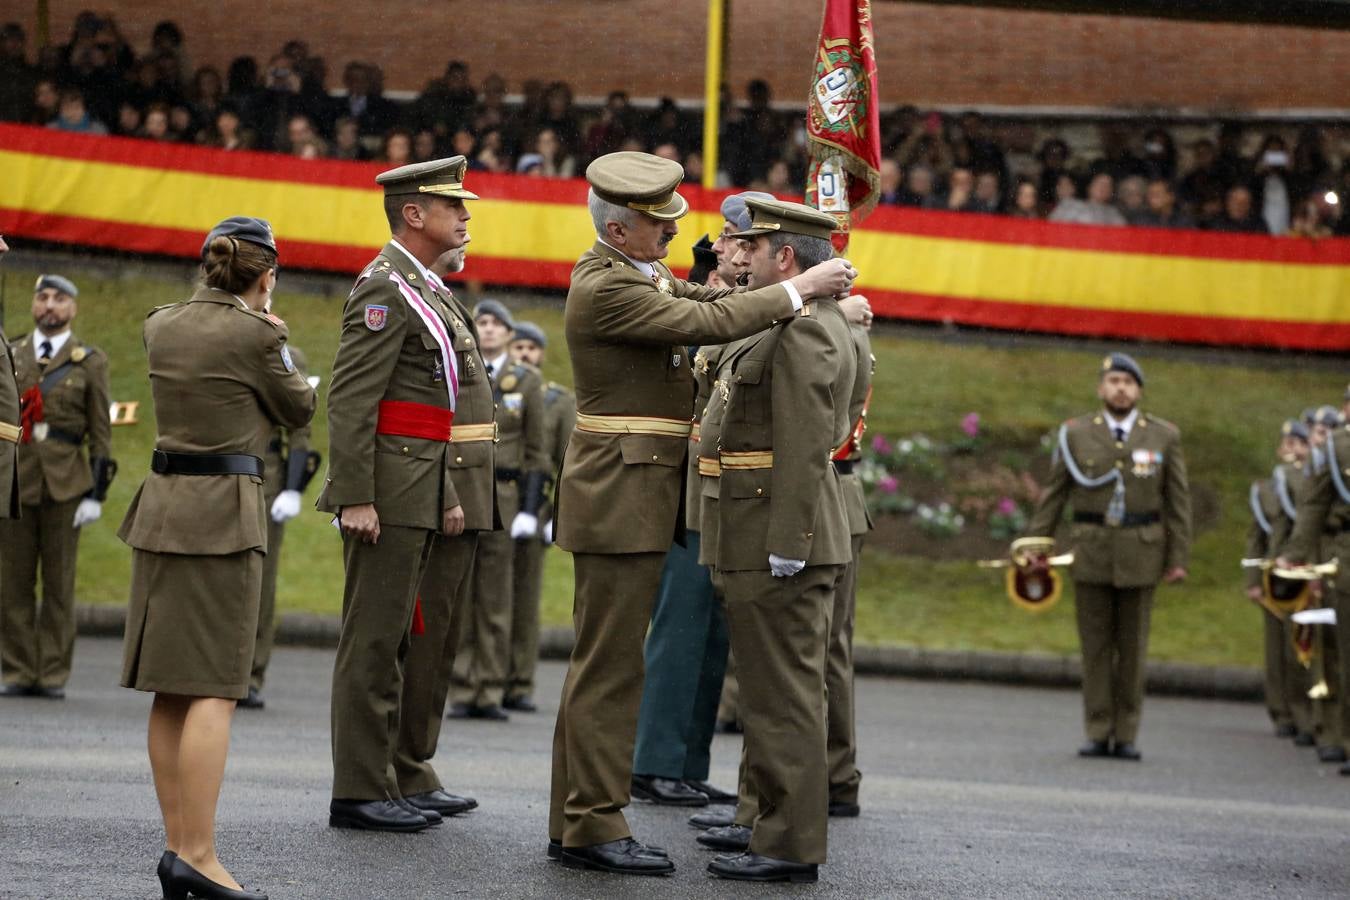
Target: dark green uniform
{"x": 9, "y": 433}
{"x": 1117, "y": 566}
{"x": 1266, "y": 512}
{"x": 483, "y": 658}
{"x": 55, "y": 474}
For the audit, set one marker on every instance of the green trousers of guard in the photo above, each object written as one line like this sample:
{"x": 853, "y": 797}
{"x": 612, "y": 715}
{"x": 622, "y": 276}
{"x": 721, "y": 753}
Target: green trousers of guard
{"x": 1297, "y": 680}
{"x": 377, "y": 607}
{"x": 780, "y": 632}
{"x": 597, "y": 712}
{"x": 1327, "y": 669}
{"x": 526, "y": 586}
{"x": 842, "y": 741}
{"x": 267, "y": 608}
{"x": 431, "y": 655}
{"x": 1286, "y": 693}
{"x": 37, "y": 642}
{"x": 1113, "y": 633}
{"x": 1339, "y": 600}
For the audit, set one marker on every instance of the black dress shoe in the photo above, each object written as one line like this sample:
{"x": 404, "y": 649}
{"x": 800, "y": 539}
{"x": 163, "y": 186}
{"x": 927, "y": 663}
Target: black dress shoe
{"x": 555, "y": 849}
{"x": 1285, "y": 731}
{"x": 666, "y": 791}
{"x": 1095, "y": 748}
{"x": 1331, "y": 754}
{"x": 1127, "y": 750}
{"x": 163, "y": 869}
{"x": 374, "y": 815}
{"x": 16, "y": 690}
{"x": 520, "y": 704}
{"x": 185, "y": 881}
{"x": 732, "y": 837}
{"x": 622, "y": 857}
{"x": 753, "y": 867}
{"x": 460, "y": 711}
{"x": 1304, "y": 739}
{"x": 843, "y": 810}
{"x": 48, "y": 693}
{"x": 254, "y": 700}
{"x": 723, "y": 726}
{"x": 492, "y": 712}
{"x": 717, "y": 817}
{"x": 714, "y": 795}
{"x": 432, "y": 817}
{"x": 441, "y": 802}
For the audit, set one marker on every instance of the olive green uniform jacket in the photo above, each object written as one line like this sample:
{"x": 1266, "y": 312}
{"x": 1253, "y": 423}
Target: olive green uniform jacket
{"x": 9, "y": 451}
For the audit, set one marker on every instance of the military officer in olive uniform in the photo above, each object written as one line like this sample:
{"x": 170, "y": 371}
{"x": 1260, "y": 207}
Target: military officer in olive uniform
{"x": 1322, "y": 532}
{"x": 10, "y": 430}
{"x": 483, "y": 659}
{"x": 64, "y": 398}
{"x": 444, "y": 595}
{"x": 628, "y": 324}
{"x": 528, "y": 345}
{"x": 287, "y": 469}
{"x": 390, "y": 413}
{"x": 1123, "y": 473}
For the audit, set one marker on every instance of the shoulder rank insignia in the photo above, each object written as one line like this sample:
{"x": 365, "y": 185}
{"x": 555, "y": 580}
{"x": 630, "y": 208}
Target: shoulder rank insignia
{"x": 509, "y": 381}
{"x": 78, "y": 354}
{"x": 376, "y": 317}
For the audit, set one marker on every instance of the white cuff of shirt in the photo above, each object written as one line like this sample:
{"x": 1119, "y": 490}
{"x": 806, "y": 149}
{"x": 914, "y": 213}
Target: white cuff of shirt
{"x": 793, "y": 295}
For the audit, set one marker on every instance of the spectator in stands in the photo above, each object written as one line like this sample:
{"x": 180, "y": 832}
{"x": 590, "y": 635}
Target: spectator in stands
{"x": 1130, "y": 199}
{"x": 758, "y": 138}
{"x": 73, "y": 116}
{"x": 46, "y": 102}
{"x": 181, "y": 123}
{"x": 1238, "y": 215}
{"x": 1096, "y": 209}
{"x": 446, "y": 102}
{"x": 206, "y": 95}
{"x": 166, "y": 43}
{"x": 1163, "y": 211}
{"x": 926, "y": 146}
{"x": 347, "y": 140}
{"x": 668, "y": 151}
{"x": 1271, "y": 183}
{"x": 156, "y": 124}
{"x": 960, "y": 188}
{"x": 891, "y": 185}
{"x": 128, "y": 122}
{"x": 987, "y": 196}
{"x": 556, "y": 161}
{"x": 229, "y": 132}
{"x": 1066, "y": 188}
{"x": 779, "y": 179}
{"x": 559, "y": 115}
{"x": 531, "y": 164}
{"x": 1054, "y": 159}
{"x": 463, "y": 143}
{"x": 984, "y": 154}
{"x": 664, "y": 125}
{"x": 1026, "y": 200}
{"x": 17, "y": 77}
{"x": 396, "y": 148}
{"x": 242, "y": 87}
{"x": 424, "y": 145}
{"x": 1309, "y": 220}
{"x": 1230, "y": 165}
{"x": 608, "y": 131}
{"x": 302, "y": 138}
{"x": 1160, "y": 154}
{"x": 1311, "y": 168}
{"x": 1117, "y": 159}
{"x": 373, "y": 113}
{"x": 492, "y": 156}
{"x": 693, "y": 167}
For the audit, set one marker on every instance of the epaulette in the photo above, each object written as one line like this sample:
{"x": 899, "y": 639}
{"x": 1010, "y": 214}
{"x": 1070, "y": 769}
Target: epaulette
{"x": 162, "y": 307}
{"x": 1157, "y": 420}
{"x": 270, "y": 319}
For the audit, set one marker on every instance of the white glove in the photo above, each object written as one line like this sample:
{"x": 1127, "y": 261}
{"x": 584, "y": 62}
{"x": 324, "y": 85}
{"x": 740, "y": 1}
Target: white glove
{"x": 784, "y": 568}
{"x": 88, "y": 511}
{"x": 286, "y": 506}
{"x": 524, "y": 525}
{"x": 548, "y": 532}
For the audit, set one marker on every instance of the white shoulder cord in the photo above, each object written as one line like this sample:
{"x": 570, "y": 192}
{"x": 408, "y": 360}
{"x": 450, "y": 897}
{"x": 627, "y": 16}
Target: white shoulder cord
{"x": 1115, "y": 511}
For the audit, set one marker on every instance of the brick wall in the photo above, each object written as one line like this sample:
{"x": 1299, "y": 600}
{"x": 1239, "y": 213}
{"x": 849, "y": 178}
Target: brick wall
{"x": 938, "y": 55}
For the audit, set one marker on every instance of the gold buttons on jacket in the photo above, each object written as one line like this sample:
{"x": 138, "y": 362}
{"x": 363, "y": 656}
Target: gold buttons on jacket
{"x": 459, "y": 459}
{"x": 405, "y": 450}
{"x": 759, "y": 492}
{"x": 810, "y": 535}
{"x": 655, "y": 457}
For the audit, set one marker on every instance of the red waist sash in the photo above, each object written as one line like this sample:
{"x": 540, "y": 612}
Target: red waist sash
{"x": 419, "y": 420}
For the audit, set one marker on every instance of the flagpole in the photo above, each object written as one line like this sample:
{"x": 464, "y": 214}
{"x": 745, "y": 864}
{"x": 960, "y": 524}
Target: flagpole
{"x": 712, "y": 89}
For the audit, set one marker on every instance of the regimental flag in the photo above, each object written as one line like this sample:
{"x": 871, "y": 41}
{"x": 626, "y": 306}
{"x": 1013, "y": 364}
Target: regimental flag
{"x": 842, "y": 127}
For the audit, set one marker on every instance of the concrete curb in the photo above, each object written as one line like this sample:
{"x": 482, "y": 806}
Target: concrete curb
{"x": 1029, "y": 669}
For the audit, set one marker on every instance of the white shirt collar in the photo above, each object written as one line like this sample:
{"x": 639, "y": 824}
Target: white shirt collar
{"x": 1127, "y": 423}
{"x": 645, "y": 268}
{"x": 57, "y": 341}
{"x": 431, "y": 277}
{"x": 497, "y": 364}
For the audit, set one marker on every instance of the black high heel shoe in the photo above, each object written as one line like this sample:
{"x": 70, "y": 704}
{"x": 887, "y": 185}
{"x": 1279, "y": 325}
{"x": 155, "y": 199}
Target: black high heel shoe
{"x": 185, "y": 880}
{"x": 162, "y": 870}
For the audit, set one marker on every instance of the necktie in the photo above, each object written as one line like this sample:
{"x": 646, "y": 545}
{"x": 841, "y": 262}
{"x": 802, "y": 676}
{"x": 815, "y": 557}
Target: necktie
{"x": 45, "y": 352}
{"x": 490, "y": 369}
{"x": 1120, "y": 433}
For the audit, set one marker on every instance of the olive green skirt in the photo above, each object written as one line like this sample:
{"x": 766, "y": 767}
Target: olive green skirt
{"x": 192, "y": 623}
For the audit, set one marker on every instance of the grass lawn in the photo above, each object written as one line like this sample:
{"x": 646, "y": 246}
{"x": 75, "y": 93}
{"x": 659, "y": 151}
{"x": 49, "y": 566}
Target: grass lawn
{"x": 1229, "y": 414}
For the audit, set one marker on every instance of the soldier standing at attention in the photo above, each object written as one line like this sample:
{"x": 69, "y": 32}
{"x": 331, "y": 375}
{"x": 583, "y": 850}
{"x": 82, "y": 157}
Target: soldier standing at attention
{"x": 222, "y": 379}
{"x": 288, "y": 465}
{"x": 628, "y": 323}
{"x": 390, "y": 409}
{"x": 780, "y": 548}
{"x": 63, "y": 384}
{"x": 10, "y": 430}
{"x": 528, "y": 345}
{"x": 443, "y": 597}
{"x": 1322, "y": 532}
{"x": 1123, "y": 473}
{"x": 483, "y": 659}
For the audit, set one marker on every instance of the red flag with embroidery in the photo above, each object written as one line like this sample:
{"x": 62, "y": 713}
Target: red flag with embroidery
{"x": 842, "y": 125}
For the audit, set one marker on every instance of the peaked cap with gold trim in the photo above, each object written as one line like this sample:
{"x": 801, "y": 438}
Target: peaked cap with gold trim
{"x": 639, "y": 181}
{"x": 441, "y": 177}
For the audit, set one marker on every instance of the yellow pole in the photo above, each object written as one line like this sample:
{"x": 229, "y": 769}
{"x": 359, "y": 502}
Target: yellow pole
{"x": 712, "y": 89}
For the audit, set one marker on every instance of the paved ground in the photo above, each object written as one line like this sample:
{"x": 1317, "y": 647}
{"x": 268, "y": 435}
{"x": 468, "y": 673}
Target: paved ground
{"x": 969, "y": 791}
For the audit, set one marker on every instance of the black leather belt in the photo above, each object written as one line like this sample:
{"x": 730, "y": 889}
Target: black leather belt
{"x": 69, "y": 437}
{"x": 164, "y": 462}
{"x": 1131, "y": 520}
{"x": 508, "y": 474}
{"x": 843, "y": 466}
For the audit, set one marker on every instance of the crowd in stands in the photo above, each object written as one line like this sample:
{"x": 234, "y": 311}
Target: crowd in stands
{"x": 1136, "y": 175}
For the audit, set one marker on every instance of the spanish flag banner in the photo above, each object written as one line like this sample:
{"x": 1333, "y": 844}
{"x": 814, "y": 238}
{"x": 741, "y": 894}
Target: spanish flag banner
{"x": 962, "y": 268}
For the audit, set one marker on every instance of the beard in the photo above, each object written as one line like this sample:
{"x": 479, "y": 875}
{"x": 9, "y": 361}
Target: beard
{"x": 1119, "y": 407}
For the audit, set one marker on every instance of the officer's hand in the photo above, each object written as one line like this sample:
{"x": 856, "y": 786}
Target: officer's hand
{"x": 1174, "y": 574}
{"x": 830, "y": 278}
{"x": 1315, "y": 589}
{"x": 548, "y": 532}
{"x": 1254, "y": 593}
{"x": 857, "y": 310}
{"x": 286, "y": 506}
{"x": 88, "y": 511}
{"x": 1284, "y": 562}
{"x": 524, "y": 526}
{"x": 453, "y": 521}
{"x": 361, "y": 521}
{"x": 785, "y": 568}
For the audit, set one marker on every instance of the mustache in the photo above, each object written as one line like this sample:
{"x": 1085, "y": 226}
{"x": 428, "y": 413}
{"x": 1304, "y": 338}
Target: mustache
{"x": 743, "y": 279}
{"x": 666, "y": 239}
